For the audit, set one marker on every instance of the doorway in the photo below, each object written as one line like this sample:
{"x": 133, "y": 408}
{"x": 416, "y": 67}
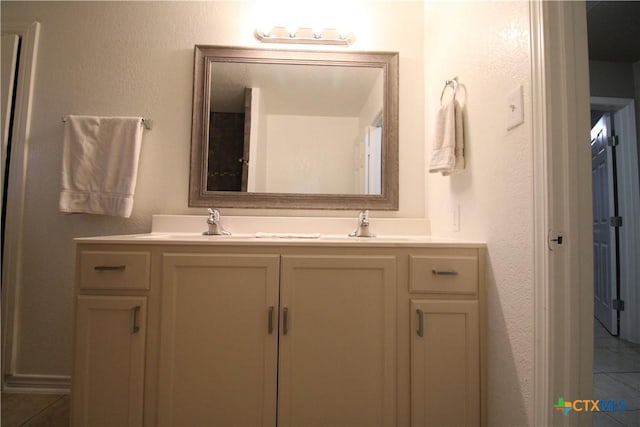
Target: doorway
{"x": 606, "y": 224}
{"x": 614, "y": 58}
{"x": 617, "y": 289}
{"x": 14, "y": 191}
{"x": 10, "y": 52}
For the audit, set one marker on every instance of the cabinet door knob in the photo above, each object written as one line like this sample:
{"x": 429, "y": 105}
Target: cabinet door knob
{"x": 444, "y": 272}
{"x": 270, "y": 319}
{"x": 420, "y": 328}
{"x": 285, "y": 320}
{"x": 109, "y": 267}
{"x": 134, "y": 326}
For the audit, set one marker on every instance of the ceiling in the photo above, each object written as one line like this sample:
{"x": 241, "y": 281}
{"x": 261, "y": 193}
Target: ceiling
{"x": 296, "y": 89}
{"x": 614, "y": 30}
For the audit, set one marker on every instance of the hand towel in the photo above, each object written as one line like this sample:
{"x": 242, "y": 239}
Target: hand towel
{"x": 447, "y": 150}
{"x": 100, "y": 164}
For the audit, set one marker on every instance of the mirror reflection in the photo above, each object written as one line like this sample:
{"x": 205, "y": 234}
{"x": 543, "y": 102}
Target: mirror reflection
{"x": 283, "y": 128}
{"x": 294, "y": 129}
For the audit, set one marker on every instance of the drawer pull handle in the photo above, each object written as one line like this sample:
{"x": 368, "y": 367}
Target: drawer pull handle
{"x": 135, "y": 327}
{"x": 420, "y": 329}
{"x": 270, "y": 319}
{"x": 110, "y": 267}
{"x": 444, "y": 272}
{"x": 285, "y": 321}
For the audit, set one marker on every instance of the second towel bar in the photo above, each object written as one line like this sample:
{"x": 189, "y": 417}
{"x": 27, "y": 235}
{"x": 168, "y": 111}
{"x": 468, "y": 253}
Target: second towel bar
{"x": 148, "y": 123}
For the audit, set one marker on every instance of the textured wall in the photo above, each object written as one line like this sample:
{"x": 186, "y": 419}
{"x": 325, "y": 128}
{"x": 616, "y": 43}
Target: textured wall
{"x": 323, "y": 151}
{"x": 486, "y": 44}
{"x": 136, "y": 58}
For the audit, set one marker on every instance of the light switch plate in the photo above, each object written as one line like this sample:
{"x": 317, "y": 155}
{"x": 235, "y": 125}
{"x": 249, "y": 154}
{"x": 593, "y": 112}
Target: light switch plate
{"x": 515, "y": 108}
{"x": 455, "y": 218}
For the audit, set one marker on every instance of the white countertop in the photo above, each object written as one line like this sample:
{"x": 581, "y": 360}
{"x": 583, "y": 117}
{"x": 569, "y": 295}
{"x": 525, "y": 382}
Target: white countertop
{"x": 252, "y": 240}
{"x": 284, "y": 231}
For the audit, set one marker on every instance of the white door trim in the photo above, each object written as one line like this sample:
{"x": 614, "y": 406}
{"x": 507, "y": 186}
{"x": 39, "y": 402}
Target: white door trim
{"x": 563, "y": 294}
{"x": 28, "y": 32}
{"x": 541, "y": 413}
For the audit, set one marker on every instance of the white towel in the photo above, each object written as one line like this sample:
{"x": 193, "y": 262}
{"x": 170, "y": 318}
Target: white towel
{"x": 100, "y": 164}
{"x": 447, "y": 150}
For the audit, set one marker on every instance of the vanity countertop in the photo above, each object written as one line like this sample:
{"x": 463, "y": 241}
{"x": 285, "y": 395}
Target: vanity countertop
{"x": 285, "y": 231}
{"x": 156, "y": 238}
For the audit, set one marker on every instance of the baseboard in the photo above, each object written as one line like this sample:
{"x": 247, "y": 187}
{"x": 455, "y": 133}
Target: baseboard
{"x": 37, "y": 384}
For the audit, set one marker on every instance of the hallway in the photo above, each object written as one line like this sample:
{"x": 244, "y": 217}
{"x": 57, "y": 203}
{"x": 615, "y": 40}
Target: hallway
{"x": 616, "y": 375}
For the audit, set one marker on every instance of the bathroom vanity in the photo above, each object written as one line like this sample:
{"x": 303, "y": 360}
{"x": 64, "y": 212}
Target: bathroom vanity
{"x": 238, "y": 330}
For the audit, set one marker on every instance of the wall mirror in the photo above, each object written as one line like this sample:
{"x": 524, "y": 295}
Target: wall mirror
{"x": 294, "y": 129}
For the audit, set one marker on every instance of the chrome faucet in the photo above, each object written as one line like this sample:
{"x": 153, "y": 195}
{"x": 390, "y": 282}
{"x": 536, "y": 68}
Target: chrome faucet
{"x": 363, "y": 226}
{"x": 215, "y": 228}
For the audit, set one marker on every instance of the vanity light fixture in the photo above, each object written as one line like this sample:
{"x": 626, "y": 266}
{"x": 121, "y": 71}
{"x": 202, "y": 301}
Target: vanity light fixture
{"x": 328, "y": 36}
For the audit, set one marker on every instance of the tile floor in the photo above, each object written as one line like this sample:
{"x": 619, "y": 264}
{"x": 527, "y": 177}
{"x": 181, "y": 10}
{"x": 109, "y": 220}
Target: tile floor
{"x": 34, "y": 410}
{"x": 616, "y": 375}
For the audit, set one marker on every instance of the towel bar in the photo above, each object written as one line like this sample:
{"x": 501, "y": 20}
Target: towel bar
{"x": 148, "y": 123}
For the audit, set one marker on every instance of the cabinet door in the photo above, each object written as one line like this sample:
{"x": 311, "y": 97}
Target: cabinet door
{"x": 218, "y": 340}
{"x": 108, "y": 374}
{"x": 445, "y": 363}
{"x": 337, "y": 362}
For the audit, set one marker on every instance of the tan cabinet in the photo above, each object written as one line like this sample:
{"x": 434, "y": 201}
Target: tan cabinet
{"x": 218, "y": 340}
{"x": 220, "y": 322}
{"x": 445, "y": 363}
{"x": 110, "y": 337}
{"x": 108, "y": 376}
{"x": 272, "y": 334}
{"x": 446, "y": 359}
{"x": 337, "y": 341}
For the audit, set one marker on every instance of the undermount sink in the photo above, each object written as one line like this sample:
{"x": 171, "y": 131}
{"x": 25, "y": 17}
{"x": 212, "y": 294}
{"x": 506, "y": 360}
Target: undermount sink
{"x": 294, "y": 230}
{"x": 192, "y": 236}
{"x": 274, "y": 236}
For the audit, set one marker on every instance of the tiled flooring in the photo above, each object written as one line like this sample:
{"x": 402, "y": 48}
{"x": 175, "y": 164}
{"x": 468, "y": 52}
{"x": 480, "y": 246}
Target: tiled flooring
{"x": 616, "y": 376}
{"x": 35, "y": 410}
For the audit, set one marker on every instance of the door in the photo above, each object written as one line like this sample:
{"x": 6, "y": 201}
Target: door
{"x": 373, "y": 164}
{"x": 604, "y": 231}
{"x": 108, "y": 375}
{"x": 337, "y": 362}
{"x": 445, "y": 363}
{"x": 9, "y": 63}
{"x": 218, "y": 340}
{"x": 246, "y": 148}
{"x": 225, "y": 152}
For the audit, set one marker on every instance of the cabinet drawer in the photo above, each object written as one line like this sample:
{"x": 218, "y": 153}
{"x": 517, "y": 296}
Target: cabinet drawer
{"x": 443, "y": 274}
{"x": 114, "y": 270}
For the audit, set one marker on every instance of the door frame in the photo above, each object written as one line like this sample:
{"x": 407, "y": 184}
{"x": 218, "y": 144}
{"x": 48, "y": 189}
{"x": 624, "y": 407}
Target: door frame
{"x": 11, "y": 271}
{"x": 563, "y": 291}
{"x": 625, "y": 126}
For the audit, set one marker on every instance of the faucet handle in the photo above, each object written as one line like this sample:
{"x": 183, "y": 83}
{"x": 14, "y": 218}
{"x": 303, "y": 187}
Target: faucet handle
{"x": 364, "y": 217}
{"x": 214, "y": 215}
{"x": 363, "y": 226}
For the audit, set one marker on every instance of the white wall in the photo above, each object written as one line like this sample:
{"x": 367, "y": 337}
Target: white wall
{"x": 260, "y": 161}
{"x": 257, "y": 116}
{"x": 486, "y": 45}
{"x": 316, "y": 153}
{"x": 136, "y": 58}
{"x": 373, "y": 105}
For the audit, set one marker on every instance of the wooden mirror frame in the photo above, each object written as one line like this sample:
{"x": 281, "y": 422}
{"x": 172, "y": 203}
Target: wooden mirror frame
{"x": 199, "y": 196}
